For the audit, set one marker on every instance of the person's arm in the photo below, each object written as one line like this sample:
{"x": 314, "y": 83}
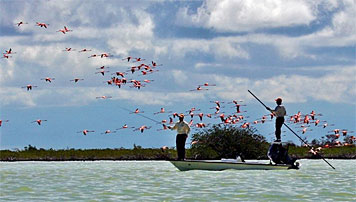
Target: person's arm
{"x": 174, "y": 127}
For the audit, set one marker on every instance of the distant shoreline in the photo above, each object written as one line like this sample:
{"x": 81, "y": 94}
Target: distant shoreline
{"x": 150, "y": 154}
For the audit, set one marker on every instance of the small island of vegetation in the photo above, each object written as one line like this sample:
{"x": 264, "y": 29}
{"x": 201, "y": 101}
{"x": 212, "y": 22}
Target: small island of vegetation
{"x": 212, "y": 143}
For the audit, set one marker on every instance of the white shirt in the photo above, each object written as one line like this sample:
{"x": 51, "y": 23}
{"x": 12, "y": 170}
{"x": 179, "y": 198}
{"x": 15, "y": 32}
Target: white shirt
{"x": 181, "y": 127}
{"x": 279, "y": 111}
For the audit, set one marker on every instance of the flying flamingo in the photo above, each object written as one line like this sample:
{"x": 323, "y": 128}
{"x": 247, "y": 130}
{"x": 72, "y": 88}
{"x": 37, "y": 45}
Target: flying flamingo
{"x": 39, "y": 121}
{"x": 122, "y": 74}
{"x": 207, "y": 84}
{"x": 9, "y": 52}
{"x": 93, "y": 56}
{"x": 29, "y": 87}
{"x": 147, "y": 81}
{"x": 105, "y": 55}
{"x": 125, "y": 126}
{"x": 84, "y": 50}
{"x": 102, "y": 72}
{"x": 136, "y": 111}
{"x": 21, "y": 23}
{"x": 48, "y": 79}
{"x": 108, "y": 131}
{"x": 142, "y": 128}
{"x": 128, "y": 58}
{"x": 162, "y": 111}
{"x": 85, "y": 132}
{"x": 68, "y": 49}
{"x": 104, "y": 97}
{"x": 164, "y": 127}
{"x": 1, "y": 121}
{"x": 217, "y": 103}
{"x": 198, "y": 89}
{"x": 6, "y": 56}
{"x": 154, "y": 64}
{"x": 42, "y": 24}
{"x": 76, "y": 80}
{"x": 138, "y": 59}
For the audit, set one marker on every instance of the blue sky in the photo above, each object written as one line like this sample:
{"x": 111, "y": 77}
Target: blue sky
{"x": 302, "y": 51}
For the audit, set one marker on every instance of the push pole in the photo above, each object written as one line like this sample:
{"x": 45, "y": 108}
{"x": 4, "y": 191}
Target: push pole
{"x": 310, "y": 147}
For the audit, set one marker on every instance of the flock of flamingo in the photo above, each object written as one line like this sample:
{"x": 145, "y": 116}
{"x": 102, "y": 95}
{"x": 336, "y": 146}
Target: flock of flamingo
{"x": 226, "y": 114}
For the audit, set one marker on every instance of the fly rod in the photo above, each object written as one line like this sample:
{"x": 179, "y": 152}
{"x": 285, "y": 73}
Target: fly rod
{"x": 310, "y": 147}
{"x": 142, "y": 115}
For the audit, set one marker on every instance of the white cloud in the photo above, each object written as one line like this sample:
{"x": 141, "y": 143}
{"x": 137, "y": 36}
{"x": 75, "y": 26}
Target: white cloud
{"x": 239, "y": 15}
{"x": 336, "y": 86}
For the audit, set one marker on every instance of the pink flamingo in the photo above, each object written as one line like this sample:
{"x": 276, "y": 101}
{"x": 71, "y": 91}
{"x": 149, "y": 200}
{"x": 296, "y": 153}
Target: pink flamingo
{"x": 48, "y": 79}
{"x": 29, "y": 87}
{"x": 76, "y": 80}
{"x": 39, "y": 121}
{"x": 1, "y": 121}
{"x": 85, "y": 132}
{"x": 42, "y": 24}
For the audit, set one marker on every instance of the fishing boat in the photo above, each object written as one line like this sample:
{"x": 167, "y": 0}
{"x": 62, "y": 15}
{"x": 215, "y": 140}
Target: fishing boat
{"x": 218, "y": 165}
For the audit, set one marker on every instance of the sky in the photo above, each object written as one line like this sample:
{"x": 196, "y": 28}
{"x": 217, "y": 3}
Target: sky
{"x": 302, "y": 51}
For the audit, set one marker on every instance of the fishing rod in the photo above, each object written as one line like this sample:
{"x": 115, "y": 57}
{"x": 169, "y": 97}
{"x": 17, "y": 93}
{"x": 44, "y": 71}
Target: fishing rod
{"x": 310, "y": 147}
{"x": 142, "y": 116}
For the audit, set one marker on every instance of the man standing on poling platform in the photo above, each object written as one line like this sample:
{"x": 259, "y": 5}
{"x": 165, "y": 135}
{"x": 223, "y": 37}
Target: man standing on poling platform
{"x": 183, "y": 130}
{"x": 279, "y": 112}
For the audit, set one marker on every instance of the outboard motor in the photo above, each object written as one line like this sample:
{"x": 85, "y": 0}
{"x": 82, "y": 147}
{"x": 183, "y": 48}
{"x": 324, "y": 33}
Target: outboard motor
{"x": 279, "y": 155}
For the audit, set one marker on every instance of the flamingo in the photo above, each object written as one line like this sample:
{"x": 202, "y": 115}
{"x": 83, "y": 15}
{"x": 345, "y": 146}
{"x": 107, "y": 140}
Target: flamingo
{"x": 207, "y": 84}
{"x": 164, "y": 148}
{"x": 84, "y": 50}
{"x": 142, "y": 128}
{"x": 9, "y": 52}
{"x": 68, "y": 49}
{"x": 42, "y": 24}
{"x": 102, "y": 72}
{"x": 154, "y": 64}
{"x": 102, "y": 67}
{"x": 125, "y": 126}
{"x": 76, "y": 80}
{"x": 6, "y": 56}
{"x": 217, "y": 103}
{"x": 1, "y": 121}
{"x": 93, "y": 56}
{"x": 136, "y": 111}
{"x": 29, "y": 87}
{"x": 39, "y": 121}
{"x": 201, "y": 116}
{"x": 138, "y": 59}
{"x": 62, "y": 30}
{"x": 48, "y": 79}
{"x": 104, "y": 97}
{"x": 108, "y": 131}
{"x": 199, "y": 89}
{"x": 162, "y": 111}
{"x": 105, "y": 55}
{"x": 147, "y": 81}
{"x": 21, "y": 23}
{"x": 344, "y": 132}
{"x": 164, "y": 127}
{"x": 128, "y": 58}
{"x": 85, "y": 132}
{"x": 122, "y": 74}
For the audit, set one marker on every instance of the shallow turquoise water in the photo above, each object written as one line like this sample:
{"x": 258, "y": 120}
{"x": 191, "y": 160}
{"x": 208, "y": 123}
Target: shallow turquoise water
{"x": 161, "y": 181}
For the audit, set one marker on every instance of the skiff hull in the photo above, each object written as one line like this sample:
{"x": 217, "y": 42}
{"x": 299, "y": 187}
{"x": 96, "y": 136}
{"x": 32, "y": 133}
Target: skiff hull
{"x": 217, "y": 165}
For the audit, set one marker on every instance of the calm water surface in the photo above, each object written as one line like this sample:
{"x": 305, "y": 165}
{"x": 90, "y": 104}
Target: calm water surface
{"x": 161, "y": 181}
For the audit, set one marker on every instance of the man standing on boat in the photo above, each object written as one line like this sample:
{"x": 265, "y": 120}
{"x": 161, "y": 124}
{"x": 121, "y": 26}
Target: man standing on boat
{"x": 279, "y": 112}
{"x": 183, "y": 130}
